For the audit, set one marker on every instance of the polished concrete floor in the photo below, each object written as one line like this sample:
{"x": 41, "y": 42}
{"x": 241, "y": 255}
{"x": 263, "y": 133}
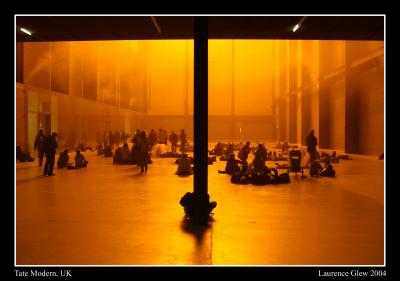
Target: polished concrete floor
{"x": 112, "y": 215}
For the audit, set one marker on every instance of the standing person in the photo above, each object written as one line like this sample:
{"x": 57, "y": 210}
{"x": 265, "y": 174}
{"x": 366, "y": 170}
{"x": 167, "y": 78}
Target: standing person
{"x": 136, "y": 137}
{"x": 143, "y": 149}
{"x": 173, "y": 138}
{"x": 311, "y": 141}
{"x": 152, "y": 138}
{"x": 182, "y": 138}
{"x": 39, "y": 141}
{"x": 50, "y": 148}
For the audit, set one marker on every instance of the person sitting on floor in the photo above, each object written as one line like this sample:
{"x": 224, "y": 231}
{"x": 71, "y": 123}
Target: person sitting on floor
{"x": 315, "y": 168}
{"x": 218, "y": 150}
{"x": 184, "y": 167}
{"x": 327, "y": 171}
{"x": 63, "y": 159}
{"x": 125, "y": 153}
{"x": 108, "y": 151}
{"x": 23, "y": 156}
{"x": 99, "y": 149}
{"x": 232, "y": 165}
{"x": 80, "y": 160}
{"x": 259, "y": 162}
{"x": 117, "y": 159}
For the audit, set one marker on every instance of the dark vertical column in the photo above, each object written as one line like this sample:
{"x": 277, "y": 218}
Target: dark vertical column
{"x": 200, "y": 105}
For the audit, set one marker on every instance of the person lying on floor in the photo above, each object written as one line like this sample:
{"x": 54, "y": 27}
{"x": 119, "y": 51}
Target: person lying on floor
{"x": 327, "y": 171}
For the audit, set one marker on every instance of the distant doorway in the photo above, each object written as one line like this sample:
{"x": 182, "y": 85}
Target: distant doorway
{"x": 44, "y": 122}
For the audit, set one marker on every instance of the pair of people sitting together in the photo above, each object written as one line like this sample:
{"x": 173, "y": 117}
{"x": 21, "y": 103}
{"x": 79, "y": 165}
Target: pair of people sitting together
{"x": 63, "y": 160}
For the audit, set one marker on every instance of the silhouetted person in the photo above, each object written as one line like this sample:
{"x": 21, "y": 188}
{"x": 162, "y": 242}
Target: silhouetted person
{"x": 173, "y": 138}
{"x": 184, "y": 166}
{"x": 125, "y": 153}
{"x": 244, "y": 153}
{"x": 39, "y": 141}
{"x": 63, "y": 159}
{"x": 135, "y": 137}
{"x": 262, "y": 151}
{"x": 218, "y": 150}
{"x": 315, "y": 168}
{"x": 80, "y": 161}
{"x": 50, "y": 148}
{"x": 259, "y": 162}
{"x": 23, "y": 156}
{"x": 232, "y": 165}
{"x": 152, "y": 138}
{"x": 143, "y": 149}
{"x": 183, "y": 140}
{"x": 311, "y": 141}
{"x": 229, "y": 149}
{"x": 117, "y": 159}
{"x": 327, "y": 171}
{"x": 108, "y": 151}
{"x": 99, "y": 149}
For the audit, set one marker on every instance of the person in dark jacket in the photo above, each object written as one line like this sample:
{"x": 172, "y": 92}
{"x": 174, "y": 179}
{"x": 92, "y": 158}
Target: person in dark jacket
{"x": 311, "y": 141}
{"x": 39, "y": 141}
{"x": 80, "y": 161}
{"x": 50, "y": 148}
{"x": 173, "y": 138}
{"x": 63, "y": 159}
{"x": 143, "y": 145}
{"x": 152, "y": 138}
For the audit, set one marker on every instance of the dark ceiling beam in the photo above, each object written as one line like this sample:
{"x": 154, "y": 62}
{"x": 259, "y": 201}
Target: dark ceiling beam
{"x": 82, "y": 28}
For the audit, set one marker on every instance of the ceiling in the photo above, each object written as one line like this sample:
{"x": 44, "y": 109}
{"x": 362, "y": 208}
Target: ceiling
{"x": 76, "y": 28}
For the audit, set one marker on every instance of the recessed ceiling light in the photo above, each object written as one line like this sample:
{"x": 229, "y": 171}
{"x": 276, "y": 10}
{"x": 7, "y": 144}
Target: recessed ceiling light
{"x": 25, "y": 31}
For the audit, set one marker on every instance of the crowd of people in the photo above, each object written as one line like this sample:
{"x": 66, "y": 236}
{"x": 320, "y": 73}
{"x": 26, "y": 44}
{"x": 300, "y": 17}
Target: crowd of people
{"x": 116, "y": 145}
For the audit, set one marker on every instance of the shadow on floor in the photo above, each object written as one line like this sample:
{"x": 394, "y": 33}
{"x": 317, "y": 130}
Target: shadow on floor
{"x": 198, "y": 231}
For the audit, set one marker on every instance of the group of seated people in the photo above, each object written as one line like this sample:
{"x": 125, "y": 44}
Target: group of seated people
{"x": 256, "y": 173}
{"x": 23, "y": 156}
{"x": 223, "y": 149}
{"x": 105, "y": 151}
{"x": 63, "y": 160}
{"x": 123, "y": 155}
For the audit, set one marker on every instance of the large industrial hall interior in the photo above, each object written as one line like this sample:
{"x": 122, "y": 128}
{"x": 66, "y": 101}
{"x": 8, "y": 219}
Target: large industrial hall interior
{"x": 204, "y": 140}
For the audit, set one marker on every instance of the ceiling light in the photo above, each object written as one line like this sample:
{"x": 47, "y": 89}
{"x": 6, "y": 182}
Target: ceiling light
{"x": 25, "y": 31}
